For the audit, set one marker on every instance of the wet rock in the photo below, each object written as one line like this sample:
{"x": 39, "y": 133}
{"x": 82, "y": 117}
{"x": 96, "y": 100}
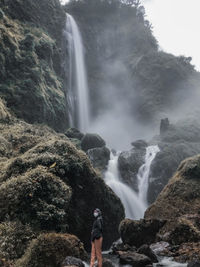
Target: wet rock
{"x": 74, "y": 133}
{"x": 139, "y": 144}
{"x": 134, "y": 259}
{"x": 129, "y": 163}
{"x": 92, "y": 141}
{"x": 159, "y": 247}
{"x": 69, "y": 261}
{"x": 116, "y": 247}
{"x": 137, "y": 233}
{"x": 146, "y": 250}
{"x": 107, "y": 263}
{"x": 194, "y": 264}
{"x": 99, "y": 157}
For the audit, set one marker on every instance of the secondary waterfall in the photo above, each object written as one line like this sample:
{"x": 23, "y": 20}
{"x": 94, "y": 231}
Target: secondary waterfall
{"x": 134, "y": 208}
{"x": 143, "y": 173}
{"x": 134, "y": 204}
{"x": 77, "y": 96}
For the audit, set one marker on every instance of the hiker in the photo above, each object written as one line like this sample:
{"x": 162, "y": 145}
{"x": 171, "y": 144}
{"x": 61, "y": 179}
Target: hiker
{"x": 97, "y": 238}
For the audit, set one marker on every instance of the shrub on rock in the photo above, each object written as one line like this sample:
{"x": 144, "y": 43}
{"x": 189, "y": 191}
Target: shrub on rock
{"x": 38, "y": 198}
{"x": 14, "y": 238}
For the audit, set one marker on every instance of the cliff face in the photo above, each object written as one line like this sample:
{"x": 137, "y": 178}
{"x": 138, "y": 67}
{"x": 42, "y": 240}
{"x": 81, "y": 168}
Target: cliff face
{"x": 30, "y": 50}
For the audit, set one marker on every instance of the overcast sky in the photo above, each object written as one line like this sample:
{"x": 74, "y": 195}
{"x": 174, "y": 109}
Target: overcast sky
{"x": 176, "y": 25}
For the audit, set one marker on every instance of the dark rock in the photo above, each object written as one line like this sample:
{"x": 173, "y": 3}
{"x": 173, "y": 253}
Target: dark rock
{"x": 129, "y": 163}
{"x": 164, "y": 126}
{"x": 139, "y": 144}
{"x": 107, "y": 263}
{"x": 72, "y": 261}
{"x": 92, "y": 141}
{"x": 134, "y": 259}
{"x": 146, "y": 250}
{"x": 116, "y": 247}
{"x": 99, "y": 157}
{"x": 137, "y": 233}
{"x": 179, "y": 203}
{"x": 194, "y": 264}
{"x": 179, "y": 142}
{"x": 74, "y": 133}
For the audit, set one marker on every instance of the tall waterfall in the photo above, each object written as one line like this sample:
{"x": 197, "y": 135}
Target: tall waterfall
{"x": 143, "y": 173}
{"x": 78, "y": 99}
{"x": 134, "y": 203}
{"x": 134, "y": 208}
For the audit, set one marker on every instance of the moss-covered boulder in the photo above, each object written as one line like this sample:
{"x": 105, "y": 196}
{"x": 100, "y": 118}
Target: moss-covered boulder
{"x": 179, "y": 204}
{"x": 47, "y": 183}
{"x": 37, "y": 197}
{"x": 51, "y": 249}
{"x": 14, "y": 239}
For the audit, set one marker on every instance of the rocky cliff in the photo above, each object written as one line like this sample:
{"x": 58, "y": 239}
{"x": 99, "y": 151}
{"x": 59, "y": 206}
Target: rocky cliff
{"x": 30, "y": 53}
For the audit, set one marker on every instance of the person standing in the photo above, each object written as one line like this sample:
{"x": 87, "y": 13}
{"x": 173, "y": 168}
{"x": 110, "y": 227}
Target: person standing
{"x": 97, "y": 238}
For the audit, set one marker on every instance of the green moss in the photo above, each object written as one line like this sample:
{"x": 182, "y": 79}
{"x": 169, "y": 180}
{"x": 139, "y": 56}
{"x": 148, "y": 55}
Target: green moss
{"x": 38, "y": 198}
{"x": 14, "y": 238}
{"x": 50, "y": 250}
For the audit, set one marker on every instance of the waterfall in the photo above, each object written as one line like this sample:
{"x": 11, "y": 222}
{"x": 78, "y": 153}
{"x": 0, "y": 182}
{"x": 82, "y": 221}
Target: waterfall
{"x": 134, "y": 204}
{"x": 134, "y": 208}
{"x": 77, "y": 95}
{"x": 143, "y": 173}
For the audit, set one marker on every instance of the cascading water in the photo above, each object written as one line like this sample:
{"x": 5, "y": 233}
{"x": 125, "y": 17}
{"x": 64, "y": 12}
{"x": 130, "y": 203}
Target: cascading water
{"x": 78, "y": 99}
{"x": 133, "y": 206}
{"x": 143, "y": 173}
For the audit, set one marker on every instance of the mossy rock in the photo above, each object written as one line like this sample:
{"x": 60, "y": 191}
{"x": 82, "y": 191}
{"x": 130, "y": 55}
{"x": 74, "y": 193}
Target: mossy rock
{"x": 14, "y": 239}
{"x": 38, "y": 198}
{"x": 51, "y": 249}
{"x": 41, "y": 169}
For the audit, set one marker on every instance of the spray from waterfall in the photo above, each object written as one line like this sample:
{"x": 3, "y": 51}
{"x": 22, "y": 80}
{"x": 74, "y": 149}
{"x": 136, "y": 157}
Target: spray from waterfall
{"x": 77, "y": 95}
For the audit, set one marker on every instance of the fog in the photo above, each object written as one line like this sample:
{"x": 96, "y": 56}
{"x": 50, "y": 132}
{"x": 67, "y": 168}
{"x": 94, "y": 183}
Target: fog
{"x": 176, "y": 25}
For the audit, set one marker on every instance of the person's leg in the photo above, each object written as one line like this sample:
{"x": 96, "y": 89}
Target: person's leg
{"x": 93, "y": 255}
{"x": 98, "y": 246}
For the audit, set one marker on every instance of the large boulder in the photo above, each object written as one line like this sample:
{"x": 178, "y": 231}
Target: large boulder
{"x": 179, "y": 204}
{"x": 99, "y": 157}
{"x": 138, "y": 233}
{"x": 146, "y": 250}
{"x": 47, "y": 183}
{"x": 90, "y": 141}
{"x": 51, "y": 249}
{"x": 176, "y": 143}
{"x": 130, "y": 161}
{"x": 134, "y": 259}
{"x": 74, "y": 133}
